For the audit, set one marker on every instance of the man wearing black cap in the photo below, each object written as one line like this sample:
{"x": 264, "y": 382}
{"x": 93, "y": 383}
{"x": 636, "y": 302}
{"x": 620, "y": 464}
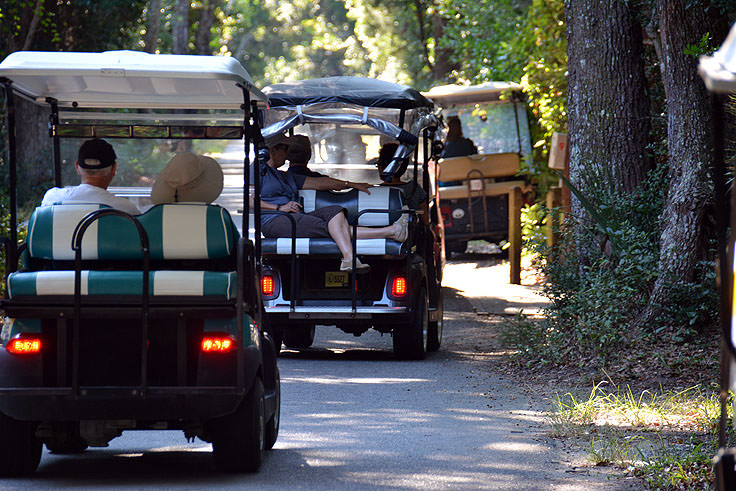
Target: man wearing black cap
{"x": 96, "y": 167}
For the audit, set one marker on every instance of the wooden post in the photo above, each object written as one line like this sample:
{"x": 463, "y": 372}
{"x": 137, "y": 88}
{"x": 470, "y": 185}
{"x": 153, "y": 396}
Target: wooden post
{"x": 559, "y": 158}
{"x": 515, "y": 235}
{"x": 554, "y": 196}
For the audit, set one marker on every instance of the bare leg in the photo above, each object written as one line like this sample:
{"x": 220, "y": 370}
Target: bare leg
{"x": 340, "y": 233}
{"x": 388, "y": 232}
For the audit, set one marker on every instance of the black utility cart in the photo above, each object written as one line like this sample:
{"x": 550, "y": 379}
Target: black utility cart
{"x": 347, "y": 120}
{"x": 117, "y": 322}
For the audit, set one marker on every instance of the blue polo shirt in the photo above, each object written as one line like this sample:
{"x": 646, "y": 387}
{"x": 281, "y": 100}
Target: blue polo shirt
{"x": 278, "y": 188}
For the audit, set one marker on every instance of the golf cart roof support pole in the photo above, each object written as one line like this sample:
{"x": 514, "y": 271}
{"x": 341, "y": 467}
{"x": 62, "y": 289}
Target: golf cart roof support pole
{"x": 425, "y": 151}
{"x": 54, "y": 134}
{"x": 518, "y": 130}
{"x": 402, "y": 116}
{"x": 240, "y": 295}
{"x": 725, "y": 256}
{"x": 12, "y": 176}
{"x": 353, "y": 275}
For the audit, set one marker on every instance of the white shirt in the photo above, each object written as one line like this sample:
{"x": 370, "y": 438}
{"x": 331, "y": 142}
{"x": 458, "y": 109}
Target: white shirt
{"x": 88, "y": 193}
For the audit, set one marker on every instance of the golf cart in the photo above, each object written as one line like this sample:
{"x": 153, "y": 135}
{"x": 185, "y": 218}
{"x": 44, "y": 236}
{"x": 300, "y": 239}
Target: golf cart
{"x": 117, "y": 322}
{"x": 474, "y": 189}
{"x": 347, "y": 120}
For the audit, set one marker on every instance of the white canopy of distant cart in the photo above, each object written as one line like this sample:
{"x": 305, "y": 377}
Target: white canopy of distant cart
{"x": 130, "y": 79}
{"x": 445, "y": 95}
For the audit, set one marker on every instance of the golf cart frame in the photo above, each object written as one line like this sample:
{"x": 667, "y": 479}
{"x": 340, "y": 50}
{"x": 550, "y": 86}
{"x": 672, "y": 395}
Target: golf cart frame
{"x": 476, "y": 190}
{"x": 308, "y": 288}
{"x": 85, "y": 354}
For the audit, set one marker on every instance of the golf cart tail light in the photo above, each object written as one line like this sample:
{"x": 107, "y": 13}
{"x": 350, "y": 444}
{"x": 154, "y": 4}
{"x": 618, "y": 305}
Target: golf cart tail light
{"x": 268, "y": 285}
{"x": 217, "y": 343}
{"x": 398, "y": 288}
{"x": 24, "y": 344}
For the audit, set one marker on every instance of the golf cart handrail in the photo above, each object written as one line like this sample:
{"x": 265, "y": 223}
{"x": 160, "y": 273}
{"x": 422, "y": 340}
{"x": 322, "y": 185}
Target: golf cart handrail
{"x": 131, "y": 79}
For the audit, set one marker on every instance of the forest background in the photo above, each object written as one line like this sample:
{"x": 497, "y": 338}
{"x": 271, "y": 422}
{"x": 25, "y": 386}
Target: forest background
{"x": 635, "y": 266}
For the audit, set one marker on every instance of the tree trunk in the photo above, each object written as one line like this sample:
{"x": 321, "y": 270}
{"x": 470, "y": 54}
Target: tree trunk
{"x": 181, "y": 28}
{"x": 206, "y": 19}
{"x": 690, "y": 148}
{"x": 153, "y": 27}
{"x": 608, "y": 109}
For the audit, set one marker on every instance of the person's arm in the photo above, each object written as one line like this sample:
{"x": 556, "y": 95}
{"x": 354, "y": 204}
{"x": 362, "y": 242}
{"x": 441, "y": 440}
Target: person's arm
{"x": 328, "y": 184}
{"x": 289, "y": 207}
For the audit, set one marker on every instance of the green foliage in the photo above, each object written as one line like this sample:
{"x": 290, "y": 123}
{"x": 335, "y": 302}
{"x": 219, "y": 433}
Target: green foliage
{"x": 594, "y": 304}
{"x": 703, "y": 47}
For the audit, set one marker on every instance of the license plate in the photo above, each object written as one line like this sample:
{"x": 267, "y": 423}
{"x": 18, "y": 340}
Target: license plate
{"x": 338, "y": 279}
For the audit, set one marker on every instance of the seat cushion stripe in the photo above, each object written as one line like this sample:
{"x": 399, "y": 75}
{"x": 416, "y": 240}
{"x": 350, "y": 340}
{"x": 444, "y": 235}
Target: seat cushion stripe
{"x": 283, "y": 246}
{"x": 378, "y": 200}
{"x": 309, "y": 197}
{"x": 184, "y": 232}
{"x": 65, "y": 221}
{"x": 178, "y": 283}
{"x": 117, "y": 283}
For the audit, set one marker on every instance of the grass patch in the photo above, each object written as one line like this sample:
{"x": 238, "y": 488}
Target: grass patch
{"x": 666, "y": 438}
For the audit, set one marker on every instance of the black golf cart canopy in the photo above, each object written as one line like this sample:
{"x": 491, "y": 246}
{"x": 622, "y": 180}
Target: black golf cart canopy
{"x": 357, "y": 91}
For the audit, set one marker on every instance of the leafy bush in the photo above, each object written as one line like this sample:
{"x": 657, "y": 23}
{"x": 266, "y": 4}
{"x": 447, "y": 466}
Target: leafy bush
{"x": 594, "y": 304}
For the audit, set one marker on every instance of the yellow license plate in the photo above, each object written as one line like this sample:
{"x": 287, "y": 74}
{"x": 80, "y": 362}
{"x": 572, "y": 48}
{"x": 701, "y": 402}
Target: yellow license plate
{"x": 337, "y": 279}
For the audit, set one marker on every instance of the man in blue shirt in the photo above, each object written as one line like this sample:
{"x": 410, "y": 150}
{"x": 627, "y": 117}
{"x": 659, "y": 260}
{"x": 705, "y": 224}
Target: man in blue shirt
{"x": 298, "y": 155}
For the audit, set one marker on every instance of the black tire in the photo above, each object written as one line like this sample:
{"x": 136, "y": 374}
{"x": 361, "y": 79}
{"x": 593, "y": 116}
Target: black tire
{"x": 299, "y": 336}
{"x": 434, "y": 329}
{"x": 68, "y": 442}
{"x": 410, "y": 340}
{"x": 272, "y": 425}
{"x": 20, "y": 450}
{"x": 238, "y": 439}
{"x": 277, "y": 336}
{"x": 456, "y": 246}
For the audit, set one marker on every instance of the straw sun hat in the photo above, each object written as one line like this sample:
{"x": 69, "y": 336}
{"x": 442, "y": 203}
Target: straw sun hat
{"x": 188, "y": 177}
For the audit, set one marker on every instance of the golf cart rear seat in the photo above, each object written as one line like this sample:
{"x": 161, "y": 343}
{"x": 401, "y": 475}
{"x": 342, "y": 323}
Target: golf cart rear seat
{"x": 387, "y": 203}
{"x": 192, "y": 254}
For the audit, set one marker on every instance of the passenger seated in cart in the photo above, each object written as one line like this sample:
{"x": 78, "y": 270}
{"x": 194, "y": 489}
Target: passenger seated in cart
{"x": 188, "y": 178}
{"x": 280, "y": 191}
{"x": 299, "y": 154}
{"x": 456, "y": 145}
{"x": 415, "y": 196}
{"x": 96, "y": 165}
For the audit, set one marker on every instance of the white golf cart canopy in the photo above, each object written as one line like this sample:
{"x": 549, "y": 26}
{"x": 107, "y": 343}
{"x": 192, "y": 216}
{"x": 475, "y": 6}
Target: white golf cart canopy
{"x": 446, "y": 95}
{"x": 131, "y": 79}
{"x": 719, "y": 71}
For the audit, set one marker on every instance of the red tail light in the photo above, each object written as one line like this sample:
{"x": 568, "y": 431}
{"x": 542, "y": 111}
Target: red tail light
{"x": 268, "y": 285}
{"x": 24, "y": 344}
{"x": 398, "y": 286}
{"x": 218, "y": 343}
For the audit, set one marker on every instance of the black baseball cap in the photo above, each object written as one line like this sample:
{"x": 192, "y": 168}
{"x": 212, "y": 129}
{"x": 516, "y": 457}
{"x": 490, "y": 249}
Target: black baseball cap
{"x": 96, "y": 154}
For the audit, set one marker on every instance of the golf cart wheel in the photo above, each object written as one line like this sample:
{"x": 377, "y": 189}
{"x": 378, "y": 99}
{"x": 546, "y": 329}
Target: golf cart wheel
{"x": 20, "y": 450}
{"x": 272, "y": 425}
{"x": 68, "y": 442}
{"x": 434, "y": 329}
{"x": 410, "y": 340}
{"x": 238, "y": 439}
{"x": 299, "y": 337}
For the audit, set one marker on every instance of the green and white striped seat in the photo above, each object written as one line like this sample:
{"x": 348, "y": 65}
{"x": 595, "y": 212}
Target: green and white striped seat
{"x": 199, "y": 232}
{"x": 124, "y": 283}
{"x": 175, "y": 231}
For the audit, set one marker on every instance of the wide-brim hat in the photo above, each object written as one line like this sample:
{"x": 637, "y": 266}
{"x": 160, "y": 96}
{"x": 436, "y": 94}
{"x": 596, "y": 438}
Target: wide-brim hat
{"x": 188, "y": 178}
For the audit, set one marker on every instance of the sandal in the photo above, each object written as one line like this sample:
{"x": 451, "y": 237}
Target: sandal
{"x": 347, "y": 265}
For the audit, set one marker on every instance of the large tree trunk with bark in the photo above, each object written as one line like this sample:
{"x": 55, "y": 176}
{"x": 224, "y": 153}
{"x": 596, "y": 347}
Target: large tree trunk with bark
{"x": 153, "y": 25}
{"x": 608, "y": 108}
{"x": 181, "y": 28}
{"x": 689, "y": 144}
{"x": 206, "y": 19}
